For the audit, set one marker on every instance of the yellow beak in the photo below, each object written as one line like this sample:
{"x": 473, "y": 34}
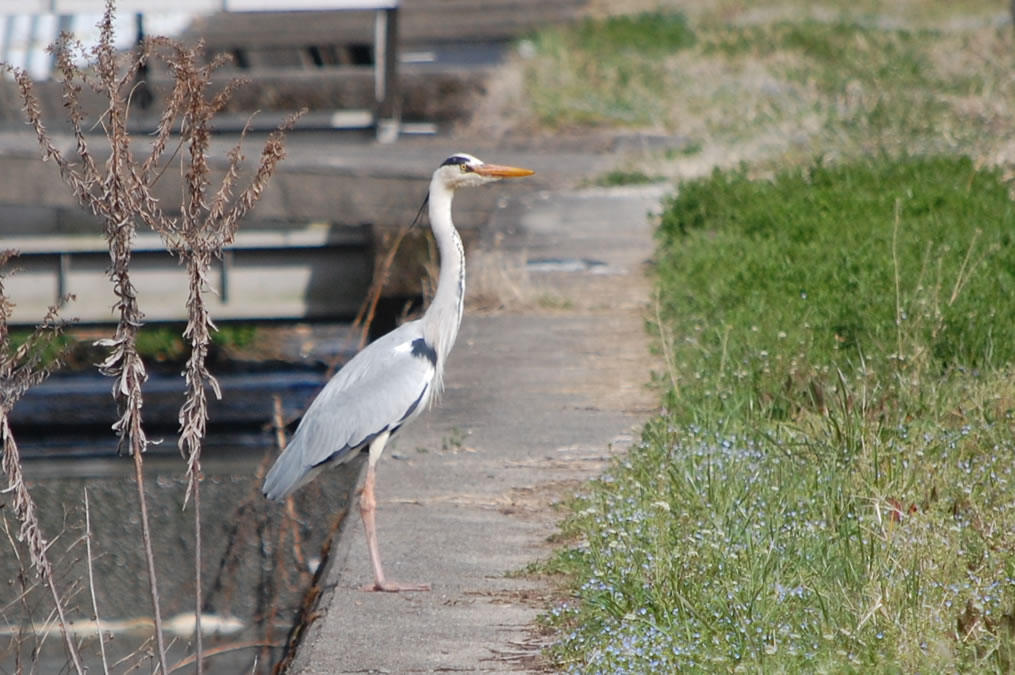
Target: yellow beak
{"x": 498, "y": 171}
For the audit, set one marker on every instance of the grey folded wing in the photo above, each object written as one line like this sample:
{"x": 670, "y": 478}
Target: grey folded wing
{"x": 381, "y": 388}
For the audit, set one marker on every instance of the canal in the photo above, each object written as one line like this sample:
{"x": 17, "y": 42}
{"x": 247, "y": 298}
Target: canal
{"x": 258, "y": 557}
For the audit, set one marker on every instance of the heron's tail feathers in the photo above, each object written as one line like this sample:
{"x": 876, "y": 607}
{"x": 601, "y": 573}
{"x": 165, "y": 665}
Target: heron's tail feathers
{"x": 287, "y": 475}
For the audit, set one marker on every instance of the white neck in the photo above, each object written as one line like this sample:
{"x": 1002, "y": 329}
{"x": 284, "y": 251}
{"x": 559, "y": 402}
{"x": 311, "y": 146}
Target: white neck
{"x": 444, "y": 316}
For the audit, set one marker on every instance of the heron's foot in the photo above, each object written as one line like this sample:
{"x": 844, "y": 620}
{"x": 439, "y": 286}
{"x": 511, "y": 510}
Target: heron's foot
{"x": 393, "y": 587}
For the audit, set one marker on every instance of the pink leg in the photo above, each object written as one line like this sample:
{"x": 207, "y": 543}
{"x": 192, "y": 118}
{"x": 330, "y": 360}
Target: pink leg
{"x": 367, "y": 504}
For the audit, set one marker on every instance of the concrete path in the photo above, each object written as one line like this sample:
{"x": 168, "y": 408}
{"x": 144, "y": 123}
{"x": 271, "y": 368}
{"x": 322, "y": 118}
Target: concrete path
{"x": 539, "y": 395}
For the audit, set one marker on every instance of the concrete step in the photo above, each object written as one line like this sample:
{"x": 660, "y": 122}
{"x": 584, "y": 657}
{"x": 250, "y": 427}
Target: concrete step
{"x": 315, "y": 272}
{"x": 421, "y": 22}
{"x": 325, "y": 183}
{"x": 440, "y": 96}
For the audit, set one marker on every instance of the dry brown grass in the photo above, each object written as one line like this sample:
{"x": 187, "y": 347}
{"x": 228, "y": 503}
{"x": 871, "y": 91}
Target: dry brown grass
{"x": 499, "y": 282}
{"x": 912, "y": 13}
{"x": 768, "y": 85}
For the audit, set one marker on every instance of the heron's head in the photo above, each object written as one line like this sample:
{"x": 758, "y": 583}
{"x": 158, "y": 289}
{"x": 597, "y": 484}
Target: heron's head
{"x": 462, "y": 170}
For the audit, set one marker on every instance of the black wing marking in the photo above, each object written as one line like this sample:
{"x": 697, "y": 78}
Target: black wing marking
{"x": 421, "y": 349}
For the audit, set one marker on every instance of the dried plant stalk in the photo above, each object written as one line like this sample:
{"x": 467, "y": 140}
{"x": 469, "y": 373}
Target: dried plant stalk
{"x": 91, "y": 585}
{"x": 112, "y": 196}
{"x": 121, "y": 192}
{"x": 198, "y": 237}
{"x": 20, "y": 369}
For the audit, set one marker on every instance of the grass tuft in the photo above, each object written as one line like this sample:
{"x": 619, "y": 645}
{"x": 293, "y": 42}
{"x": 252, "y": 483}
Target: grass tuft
{"x": 605, "y": 71}
{"x": 619, "y": 177}
{"x": 647, "y": 33}
{"x": 884, "y": 266}
{"x": 159, "y": 343}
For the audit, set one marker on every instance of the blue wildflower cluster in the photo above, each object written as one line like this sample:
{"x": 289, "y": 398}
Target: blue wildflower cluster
{"x": 702, "y": 552}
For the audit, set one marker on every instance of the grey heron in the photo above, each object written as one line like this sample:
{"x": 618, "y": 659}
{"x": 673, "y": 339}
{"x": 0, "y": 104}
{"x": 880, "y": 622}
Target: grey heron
{"x": 391, "y": 381}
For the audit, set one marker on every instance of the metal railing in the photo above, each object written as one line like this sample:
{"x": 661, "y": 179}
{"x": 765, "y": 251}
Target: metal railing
{"x": 318, "y": 272}
{"x": 385, "y": 117}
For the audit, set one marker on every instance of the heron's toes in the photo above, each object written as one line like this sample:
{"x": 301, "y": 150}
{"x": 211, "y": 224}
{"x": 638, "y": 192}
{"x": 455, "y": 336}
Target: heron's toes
{"x": 393, "y": 587}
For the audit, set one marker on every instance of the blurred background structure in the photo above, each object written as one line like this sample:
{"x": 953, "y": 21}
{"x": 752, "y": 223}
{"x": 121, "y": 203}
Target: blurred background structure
{"x": 377, "y": 78}
{"x": 310, "y": 254}
{"x": 832, "y": 302}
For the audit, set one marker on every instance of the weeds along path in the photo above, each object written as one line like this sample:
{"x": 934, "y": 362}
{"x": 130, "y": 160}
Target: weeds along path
{"x": 830, "y": 485}
{"x": 540, "y": 394}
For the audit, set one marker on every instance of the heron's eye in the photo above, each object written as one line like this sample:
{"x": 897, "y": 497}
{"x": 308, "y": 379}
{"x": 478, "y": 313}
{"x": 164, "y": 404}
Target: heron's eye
{"x": 465, "y": 168}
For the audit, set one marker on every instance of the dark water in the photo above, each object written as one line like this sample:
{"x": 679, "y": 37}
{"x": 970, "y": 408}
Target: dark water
{"x": 257, "y": 556}
{"x": 71, "y": 415}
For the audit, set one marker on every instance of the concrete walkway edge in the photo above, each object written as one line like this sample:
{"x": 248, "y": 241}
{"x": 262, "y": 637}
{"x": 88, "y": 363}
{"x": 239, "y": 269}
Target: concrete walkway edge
{"x": 539, "y": 396}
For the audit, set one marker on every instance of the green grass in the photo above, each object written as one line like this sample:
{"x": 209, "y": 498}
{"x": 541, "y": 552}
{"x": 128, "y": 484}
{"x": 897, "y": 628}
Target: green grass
{"x": 833, "y": 55}
{"x": 778, "y": 283}
{"x": 689, "y": 150}
{"x": 831, "y": 487}
{"x": 648, "y": 33}
{"x": 604, "y": 72}
{"x": 618, "y": 177}
{"x": 883, "y": 84}
{"x": 164, "y": 343}
{"x": 844, "y": 86}
{"x": 912, "y": 12}
{"x": 159, "y": 343}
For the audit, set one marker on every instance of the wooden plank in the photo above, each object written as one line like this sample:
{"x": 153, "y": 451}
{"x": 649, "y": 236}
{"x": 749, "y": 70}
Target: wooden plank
{"x": 421, "y": 22}
{"x": 385, "y": 76}
{"x": 191, "y": 6}
{"x": 440, "y": 96}
{"x": 303, "y": 5}
{"x": 312, "y": 236}
{"x": 386, "y": 71}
